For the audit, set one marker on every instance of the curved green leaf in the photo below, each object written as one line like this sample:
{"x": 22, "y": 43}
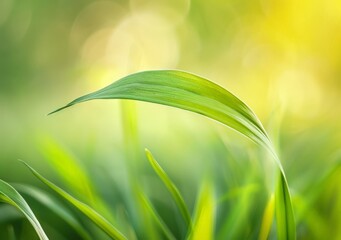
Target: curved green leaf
{"x": 96, "y": 218}
{"x": 193, "y": 93}
{"x": 186, "y": 91}
{"x": 9, "y": 195}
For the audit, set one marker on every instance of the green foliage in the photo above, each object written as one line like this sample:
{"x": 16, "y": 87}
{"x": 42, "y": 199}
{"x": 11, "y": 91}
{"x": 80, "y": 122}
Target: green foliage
{"x": 55, "y": 206}
{"x": 186, "y": 91}
{"x": 9, "y": 195}
{"x": 267, "y": 219}
{"x": 173, "y": 190}
{"x": 85, "y": 209}
{"x": 204, "y": 217}
{"x": 282, "y": 57}
{"x": 148, "y": 205}
{"x": 286, "y": 227}
{"x": 193, "y": 93}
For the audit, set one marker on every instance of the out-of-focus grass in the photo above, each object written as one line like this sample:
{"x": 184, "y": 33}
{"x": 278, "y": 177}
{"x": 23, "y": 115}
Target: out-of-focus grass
{"x": 274, "y": 55}
{"x": 86, "y": 210}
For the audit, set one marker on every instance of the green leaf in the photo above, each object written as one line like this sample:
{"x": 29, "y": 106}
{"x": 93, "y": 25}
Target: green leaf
{"x": 72, "y": 174}
{"x": 51, "y": 203}
{"x": 96, "y": 218}
{"x": 204, "y": 217}
{"x": 174, "y": 191}
{"x": 267, "y": 219}
{"x": 286, "y": 227}
{"x": 9, "y": 195}
{"x": 196, "y": 94}
{"x": 186, "y": 91}
{"x": 67, "y": 167}
{"x": 162, "y": 225}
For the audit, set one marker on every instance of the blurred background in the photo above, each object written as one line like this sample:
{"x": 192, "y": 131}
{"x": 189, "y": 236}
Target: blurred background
{"x": 283, "y": 58}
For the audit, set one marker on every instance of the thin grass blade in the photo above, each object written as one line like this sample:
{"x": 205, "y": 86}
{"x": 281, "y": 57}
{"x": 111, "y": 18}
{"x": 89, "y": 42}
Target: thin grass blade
{"x": 286, "y": 228}
{"x": 51, "y": 203}
{"x": 71, "y": 172}
{"x": 67, "y": 167}
{"x": 174, "y": 191}
{"x": 148, "y": 205}
{"x": 204, "y": 218}
{"x": 9, "y": 195}
{"x": 267, "y": 219}
{"x": 96, "y": 218}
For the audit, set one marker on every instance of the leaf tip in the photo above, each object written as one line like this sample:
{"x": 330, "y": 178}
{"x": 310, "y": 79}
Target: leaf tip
{"x": 28, "y": 166}
{"x": 23, "y": 162}
{"x": 57, "y": 110}
{"x": 147, "y": 151}
{"x": 149, "y": 156}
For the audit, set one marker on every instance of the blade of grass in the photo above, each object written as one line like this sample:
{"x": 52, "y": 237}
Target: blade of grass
{"x": 51, "y": 203}
{"x": 148, "y": 205}
{"x": 71, "y": 172}
{"x": 142, "y": 224}
{"x": 204, "y": 215}
{"x": 186, "y": 91}
{"x": 9, "y": 195}
{"x": 286, "y": 227}
{"x": 67, "y": 167}
{"x": 173, "y": 190}
{"x": 96, "y": 218}
{"x": 196, "y": 94}
{"x": 267, "y": 219}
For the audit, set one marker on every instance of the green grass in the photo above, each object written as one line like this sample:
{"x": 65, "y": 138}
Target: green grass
{"x": 85, "y": 209}
{"x": 9, "y": 195}
{"x": 193, "y": 93}
{"x": 173, "y": 190}
{"x": 232, "y": 202}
